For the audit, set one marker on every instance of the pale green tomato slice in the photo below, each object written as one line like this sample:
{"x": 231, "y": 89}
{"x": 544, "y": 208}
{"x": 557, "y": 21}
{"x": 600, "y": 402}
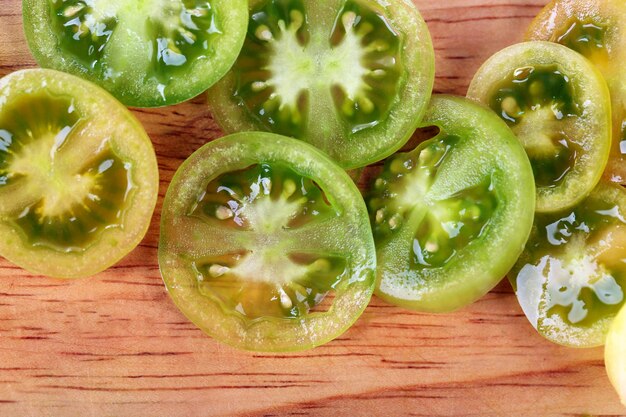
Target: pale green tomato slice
{"x": 147, "y": 53}
{"x": 571, "y": 278}
{"x": 351, "y": 77}
{"x": 559, "y": 107}
{"x": 615, "y": 354}
{"x": 78, "y": 175}
{"x": 451, "y": 217}
{"x": 265, "y": 244}
{"x": 597, "y": 30}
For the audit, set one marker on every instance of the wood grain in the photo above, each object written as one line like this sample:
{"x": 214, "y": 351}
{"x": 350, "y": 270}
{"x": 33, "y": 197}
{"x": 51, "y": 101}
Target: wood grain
{"x": 115, "y": 345}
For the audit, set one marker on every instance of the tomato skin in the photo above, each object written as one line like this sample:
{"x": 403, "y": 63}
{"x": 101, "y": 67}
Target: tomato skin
{"x": 233, "y": 154}
{"x": 590, "y": 129}
{"x": 484, "y": 151}
{"x": 326, "y": 130}
{"x": 127, "y": 66}
{"x": 106, "y": 124}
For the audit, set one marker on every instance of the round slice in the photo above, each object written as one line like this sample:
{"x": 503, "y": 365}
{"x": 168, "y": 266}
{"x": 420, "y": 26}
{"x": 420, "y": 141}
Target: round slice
{"x": 596, "y": 29}
{"x": 351, "y": 77}
{"x": 147, "y": 53}
{"x": 615, "y": 354}
{"x": 265, "y": 244}
{"x": 571, "y": 278}
{"x": 78, "y": 175}
{"x": 451, "y": 217}
{"x": 558, "y": 105}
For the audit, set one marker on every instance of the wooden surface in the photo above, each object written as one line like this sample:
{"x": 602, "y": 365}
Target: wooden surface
{"x": 115, "y": 345}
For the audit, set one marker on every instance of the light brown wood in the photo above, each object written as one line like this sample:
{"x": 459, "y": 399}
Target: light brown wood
{"x": 115, "y": 345}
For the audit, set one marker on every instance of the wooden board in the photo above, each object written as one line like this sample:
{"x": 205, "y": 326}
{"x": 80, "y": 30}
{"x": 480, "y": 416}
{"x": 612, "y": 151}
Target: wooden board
{"x": 115, "y": 345}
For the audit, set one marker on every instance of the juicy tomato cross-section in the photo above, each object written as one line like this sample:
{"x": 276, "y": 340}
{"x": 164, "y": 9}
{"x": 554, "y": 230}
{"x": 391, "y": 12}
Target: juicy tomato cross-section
{"x": 571, "y": 278}
{"x": 597, "y": 30}
{"x": 78, "y": 175}
{"x": 265, "y": 244}
{"x": 351, "y": 77}
{"x": 451, "y": 217}
{"x": 558, "y": 105}
{"x": 146, "y": 53}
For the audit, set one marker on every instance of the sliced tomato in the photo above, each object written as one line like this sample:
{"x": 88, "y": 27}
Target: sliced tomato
{"x": 265, "y": 244}
{"x": 78, "y": 175}
{"x": 596, "y": 29}
{"x": 571, "y": 278}
{"x": 352, "y": 77}
{"x": 451, "y": 217}
{"x": 147, "y": 53}
{"x": 559, "y": 107}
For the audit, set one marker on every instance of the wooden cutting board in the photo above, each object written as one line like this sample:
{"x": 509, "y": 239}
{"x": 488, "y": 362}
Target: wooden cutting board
{"x": 115, "y": 345}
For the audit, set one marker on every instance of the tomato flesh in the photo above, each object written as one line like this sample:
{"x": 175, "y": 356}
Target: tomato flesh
{"x": 570, "y": 280}
{"x": 152, "y": 54}
{"x": 268, "y": 248}
{"x": 442, "y": 213}
{"x": 74, "y": 198}
{"x": 330, "y": 73}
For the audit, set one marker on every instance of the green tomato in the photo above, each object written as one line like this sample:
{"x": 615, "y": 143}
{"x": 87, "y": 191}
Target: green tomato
{"x": 615, "y": 354}
{"x": 451, "y": 217}
{"x": 351, "y": 77}
{"x": 265, "y": 244}
{"x": 559, "y": 107}
{"x": 78, "y": 175}
{"x": 146, "y": 53}
{"x": 597, "y": 30}
{"x": 570, "y": 280}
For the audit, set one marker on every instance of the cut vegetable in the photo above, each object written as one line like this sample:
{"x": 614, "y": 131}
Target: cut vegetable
{"x": 571, "y": 278}
{"x": 352, "y": 77}
{"x": 78, "y": 175}
{"x": 451, "y": 217}
{"x": 558, "y": 105}
{"x": 265, "y": 244}
{"x": 597, "y": 30}
{"x": 146, "y": 53}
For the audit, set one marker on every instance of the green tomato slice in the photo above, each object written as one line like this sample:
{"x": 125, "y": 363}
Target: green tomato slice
{"x": 146, "y": 53}
{"x": 559, "y": 107}
{"x": 351, "y": 77}
{"x": 571, "y": 278}
{"x": 451, "y": 217}
{"x": 78, "y": 175}
{"x": 265, "y": 244}
{"x": 597, "y": 30}
{"x": 615, "y": 354}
